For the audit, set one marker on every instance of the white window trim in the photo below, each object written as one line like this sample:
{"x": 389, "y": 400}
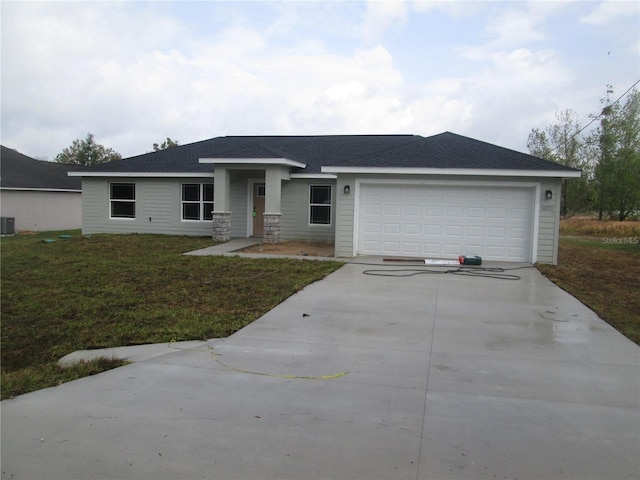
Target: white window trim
{"x": 201, "y": 202}
{"x": 330, "y": 205}
{"x": 111, "y": 200}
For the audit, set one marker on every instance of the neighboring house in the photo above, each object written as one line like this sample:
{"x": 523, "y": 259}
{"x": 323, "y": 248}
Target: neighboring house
{"x": 394, "y": 195}
{"x": 39, "y": 195}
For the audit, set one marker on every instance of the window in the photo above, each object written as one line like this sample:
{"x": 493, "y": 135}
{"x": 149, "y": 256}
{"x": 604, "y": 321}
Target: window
{"x": 320, "y": 204}
{"x": 122, "y": 197}
{"x": 197, "y": 201}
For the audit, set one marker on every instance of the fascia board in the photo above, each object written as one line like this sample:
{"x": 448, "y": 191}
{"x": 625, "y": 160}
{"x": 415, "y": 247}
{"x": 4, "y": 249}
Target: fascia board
{"x": 494, "y": 172}
{"x": 143, "y": 174}
{"x": 254, "y": 161}
{"x": 314, "y": 175}
{"x": 35, "y": 189}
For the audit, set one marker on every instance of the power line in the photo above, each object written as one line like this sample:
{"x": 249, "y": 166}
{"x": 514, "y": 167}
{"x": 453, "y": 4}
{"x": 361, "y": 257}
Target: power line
{"x": 595, "y": 117}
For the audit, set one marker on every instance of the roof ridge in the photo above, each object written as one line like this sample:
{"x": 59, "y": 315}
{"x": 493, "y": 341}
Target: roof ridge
{"x": 324, "y": 136}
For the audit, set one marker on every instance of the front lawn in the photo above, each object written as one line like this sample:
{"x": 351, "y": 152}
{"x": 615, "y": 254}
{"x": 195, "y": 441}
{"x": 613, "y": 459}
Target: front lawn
{"x": 603, "y": 273}
{"x": 100, "y": 291}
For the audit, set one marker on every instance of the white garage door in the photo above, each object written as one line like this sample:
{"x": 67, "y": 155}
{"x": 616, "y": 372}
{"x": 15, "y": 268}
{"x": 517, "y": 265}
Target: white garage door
{"x": 433, "y": 221}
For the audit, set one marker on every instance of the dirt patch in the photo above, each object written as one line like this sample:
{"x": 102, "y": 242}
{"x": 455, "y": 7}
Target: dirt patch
{"x": 293, "y": 247}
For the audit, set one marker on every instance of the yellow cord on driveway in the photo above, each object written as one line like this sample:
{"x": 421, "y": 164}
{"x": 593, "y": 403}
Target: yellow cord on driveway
{"x": 215, "y": 356}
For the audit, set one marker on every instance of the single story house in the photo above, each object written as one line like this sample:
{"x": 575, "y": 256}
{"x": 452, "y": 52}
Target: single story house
{"x": 38, "y": 195}
{"x": 394, "y": 195}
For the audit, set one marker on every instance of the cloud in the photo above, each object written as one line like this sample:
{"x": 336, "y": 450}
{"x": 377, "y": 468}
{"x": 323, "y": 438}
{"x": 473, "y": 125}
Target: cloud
{"x": 608, "y": 11}
{"x": 382, "y": 15}
{"x": 136, "y": 73}
{"x": 78, "y": 74}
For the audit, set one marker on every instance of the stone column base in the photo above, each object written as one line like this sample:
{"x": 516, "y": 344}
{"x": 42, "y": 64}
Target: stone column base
{"x": 271, "y": 228}
{"x": 221, "y": 226}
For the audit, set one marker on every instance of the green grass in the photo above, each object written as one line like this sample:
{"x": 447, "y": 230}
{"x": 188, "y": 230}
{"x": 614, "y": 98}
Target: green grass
{"x": 603, "y": 276}
{"x": 114, "y": 290}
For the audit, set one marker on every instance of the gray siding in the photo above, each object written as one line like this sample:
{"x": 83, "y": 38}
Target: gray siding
{"x": 549, "y": 222}
{"x": 345, "y": 216}
{"x": 158, "y": 207}
{"x": 294, "y": 223}
{"x": 39, "y": 211}
{"x": 238, "y": 200}
{"x": 548, "y": 218}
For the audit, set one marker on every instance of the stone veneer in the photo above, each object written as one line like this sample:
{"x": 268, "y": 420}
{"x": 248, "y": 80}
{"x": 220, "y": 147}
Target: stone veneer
{"x": 271, "y": 228}
{"x": 221, "y": 226}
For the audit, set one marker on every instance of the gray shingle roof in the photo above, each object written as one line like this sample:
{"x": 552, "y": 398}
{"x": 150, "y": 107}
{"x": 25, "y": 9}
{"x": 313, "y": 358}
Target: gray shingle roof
{"x": 20, "y": 171}
{"x": 446, "y": 150}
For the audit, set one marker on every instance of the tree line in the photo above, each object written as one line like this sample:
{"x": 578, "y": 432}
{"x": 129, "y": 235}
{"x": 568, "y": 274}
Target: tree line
{"x": 608, "y": 156}
{"x": 87, "y": 152}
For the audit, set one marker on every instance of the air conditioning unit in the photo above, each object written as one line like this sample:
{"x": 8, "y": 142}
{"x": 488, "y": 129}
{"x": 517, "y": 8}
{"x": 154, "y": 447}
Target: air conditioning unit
{"x": 7, "y": 226}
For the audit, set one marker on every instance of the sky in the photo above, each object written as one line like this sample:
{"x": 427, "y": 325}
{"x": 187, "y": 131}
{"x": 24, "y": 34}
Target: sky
{"x": 134, "y": 73}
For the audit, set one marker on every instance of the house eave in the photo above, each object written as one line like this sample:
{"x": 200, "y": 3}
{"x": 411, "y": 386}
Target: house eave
{"x": 493, "y": 172}
{"x": 326, "y": 176}
{"x": 144, "y": 174}
{"x": 36, "y": 189}
{"x": 285, "y": 162}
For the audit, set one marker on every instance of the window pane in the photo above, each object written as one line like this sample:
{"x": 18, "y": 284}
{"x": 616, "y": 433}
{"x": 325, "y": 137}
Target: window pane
{"x": 123, "y": 191}
{"x": 207, "y": 192}
{"x": 320, "y": 194}
{"x": 208, "y": 211}
{"x": 190, "y": 192}
{"x": 123, "y": 209}
{"x": 321, "y": 215}
{"x": 191, "y": 211}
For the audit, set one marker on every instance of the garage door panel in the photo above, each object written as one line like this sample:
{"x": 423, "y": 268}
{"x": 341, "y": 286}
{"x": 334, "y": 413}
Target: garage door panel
{"x": 452, "y": 249}
{"x": 446, "y": 221}
{"x": 497, "y": 213}
{"x": 474, "y": 232}
{"x": 391, "y": 247}
{"x": 392, "y": 210}
{"x": 433, "y": 211}
{"x": 495, "y": 251}
{"x": 494, "y": 233}
{"x": 518, "y": 233}
{"x": 455, "y": 212}
{"x": 472, "y": 250}
{"x": 475, "y": 212}
{"x": 519, "y": 213}
{"x": 453, "y": 231}
{"x": 432, "y": 230}
{"x": 391, "y": 228}
{"x": 516, "y": 251}
{"x": 410, "y": 248}
{"x": 412, "y": 211}
{"x": 411, "y": 229}
{"x": 431, "y": 249}
{"x": 371, "y": 228}
{"x": 372, "y": 209}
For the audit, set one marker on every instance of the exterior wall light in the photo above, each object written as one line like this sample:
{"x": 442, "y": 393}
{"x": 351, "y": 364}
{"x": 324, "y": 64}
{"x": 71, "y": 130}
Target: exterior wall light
{"x": 548, "y": 195}
{"x": 347, "y": 189}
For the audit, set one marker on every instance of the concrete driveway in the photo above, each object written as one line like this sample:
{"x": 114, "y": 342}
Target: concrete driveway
{"x": 358, "y": 376}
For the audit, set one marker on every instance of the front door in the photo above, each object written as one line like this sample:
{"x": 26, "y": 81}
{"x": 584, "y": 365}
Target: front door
{"x": 258, "y": 208}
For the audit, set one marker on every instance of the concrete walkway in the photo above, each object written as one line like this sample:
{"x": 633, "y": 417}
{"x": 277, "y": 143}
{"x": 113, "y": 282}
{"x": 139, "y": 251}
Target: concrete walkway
{"x": 358, "y": 376}
{"x": 232, "y": 249}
